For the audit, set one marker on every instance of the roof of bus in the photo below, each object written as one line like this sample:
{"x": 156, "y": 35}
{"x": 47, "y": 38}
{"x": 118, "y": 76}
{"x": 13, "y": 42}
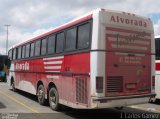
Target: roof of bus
{"x": 73, "y": 22}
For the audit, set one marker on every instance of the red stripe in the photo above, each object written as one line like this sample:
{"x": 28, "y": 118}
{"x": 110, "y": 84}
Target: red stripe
{"x": 127, "y": 31}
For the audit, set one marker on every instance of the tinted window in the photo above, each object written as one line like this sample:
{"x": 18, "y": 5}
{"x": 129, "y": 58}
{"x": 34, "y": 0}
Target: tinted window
{"x": 60, "y": 42}
{"x": 15, "y": 53}
{"x": 27, "y": 50}
{"x": 10, "y": 54}
{"x": 44, "y": 46}
{"x": 37, "y": 48}
{"x": 157, "y": 47}
{"x": 83, "y": 36}
{"x": 51, "y": 44}
{"x": 23, "y": 51}
{"x": 19, "y": 52}
{"x": 71, "y": 39}
{"x": 32, "y": 50}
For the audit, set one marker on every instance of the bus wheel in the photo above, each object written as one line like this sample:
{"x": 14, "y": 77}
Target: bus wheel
{"x": 54, "y": 99}
{"x": 13, "y": 86}
{"x": 41, "y": 95}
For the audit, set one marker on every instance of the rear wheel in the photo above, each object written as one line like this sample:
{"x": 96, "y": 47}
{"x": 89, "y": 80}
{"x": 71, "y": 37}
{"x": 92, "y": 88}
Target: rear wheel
{"x": 41, "y": 95}
{"x": 54, "y": 99}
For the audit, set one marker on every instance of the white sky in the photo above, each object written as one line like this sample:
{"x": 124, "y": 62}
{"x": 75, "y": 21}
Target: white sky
{"x": 29, "y": 18}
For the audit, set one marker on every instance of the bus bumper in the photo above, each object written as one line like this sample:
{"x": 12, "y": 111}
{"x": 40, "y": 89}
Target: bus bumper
{"x": 121, "y": 101}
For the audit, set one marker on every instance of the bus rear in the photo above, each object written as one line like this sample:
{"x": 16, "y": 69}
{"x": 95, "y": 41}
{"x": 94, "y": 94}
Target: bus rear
{"x": 123, "y": 51}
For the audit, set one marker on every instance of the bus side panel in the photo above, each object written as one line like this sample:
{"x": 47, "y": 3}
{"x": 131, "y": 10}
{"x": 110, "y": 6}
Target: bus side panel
{"x": 75, "y": 79}
{"x": 25, "y": 77}
{"x": 70, "y": 74}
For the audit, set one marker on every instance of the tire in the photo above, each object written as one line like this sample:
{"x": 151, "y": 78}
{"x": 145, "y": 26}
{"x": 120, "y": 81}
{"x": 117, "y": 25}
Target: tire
{"x": 41, "y": 95}
{"x": 13, "y": 86}
{"x": 54, "y": 99}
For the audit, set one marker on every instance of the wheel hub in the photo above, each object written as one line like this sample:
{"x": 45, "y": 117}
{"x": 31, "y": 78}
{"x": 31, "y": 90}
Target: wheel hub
{"x": 53, "y": 100}
{"x": 40, "y": 94}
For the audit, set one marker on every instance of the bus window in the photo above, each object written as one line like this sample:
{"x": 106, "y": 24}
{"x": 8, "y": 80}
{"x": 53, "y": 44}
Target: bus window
{"x": 19, "y": 52}
{"x": 32, "y": 50}
{"x": 23, "y": 51}
{"x": 60, "y": 42}
{"x": 83, "y": 36}
{"x": 71, "y": 35}
{"x": 37, "y": 48}
{"x": 44, "y": 46}
{"x": 51, "y": 44}
{"x": 157, "y": 46}
{"x": 15, "y": 53}
{"x": 27, "y": 50}
{"x": 10, "y": 54}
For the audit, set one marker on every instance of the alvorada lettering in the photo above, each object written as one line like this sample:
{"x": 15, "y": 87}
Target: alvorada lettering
{"x": 121, "y": 20}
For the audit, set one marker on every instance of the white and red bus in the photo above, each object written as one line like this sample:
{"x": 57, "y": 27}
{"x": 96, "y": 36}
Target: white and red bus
{"x": 157, "y": 77}
{"x": 100, "y": 60}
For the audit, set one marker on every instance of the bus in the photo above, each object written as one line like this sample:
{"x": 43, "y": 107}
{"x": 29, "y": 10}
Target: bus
{"x": 157, "y": 67}
{"x": 4, "y": 67}
{"x": 102, "y": 59}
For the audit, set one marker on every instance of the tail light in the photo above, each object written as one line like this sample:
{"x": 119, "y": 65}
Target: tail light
{"x": 153, "y": 82}
{"x": 99, "y": 84}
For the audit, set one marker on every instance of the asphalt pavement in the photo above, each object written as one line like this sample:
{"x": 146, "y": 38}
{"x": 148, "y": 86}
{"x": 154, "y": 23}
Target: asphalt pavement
{"x": 21, "y": 105}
